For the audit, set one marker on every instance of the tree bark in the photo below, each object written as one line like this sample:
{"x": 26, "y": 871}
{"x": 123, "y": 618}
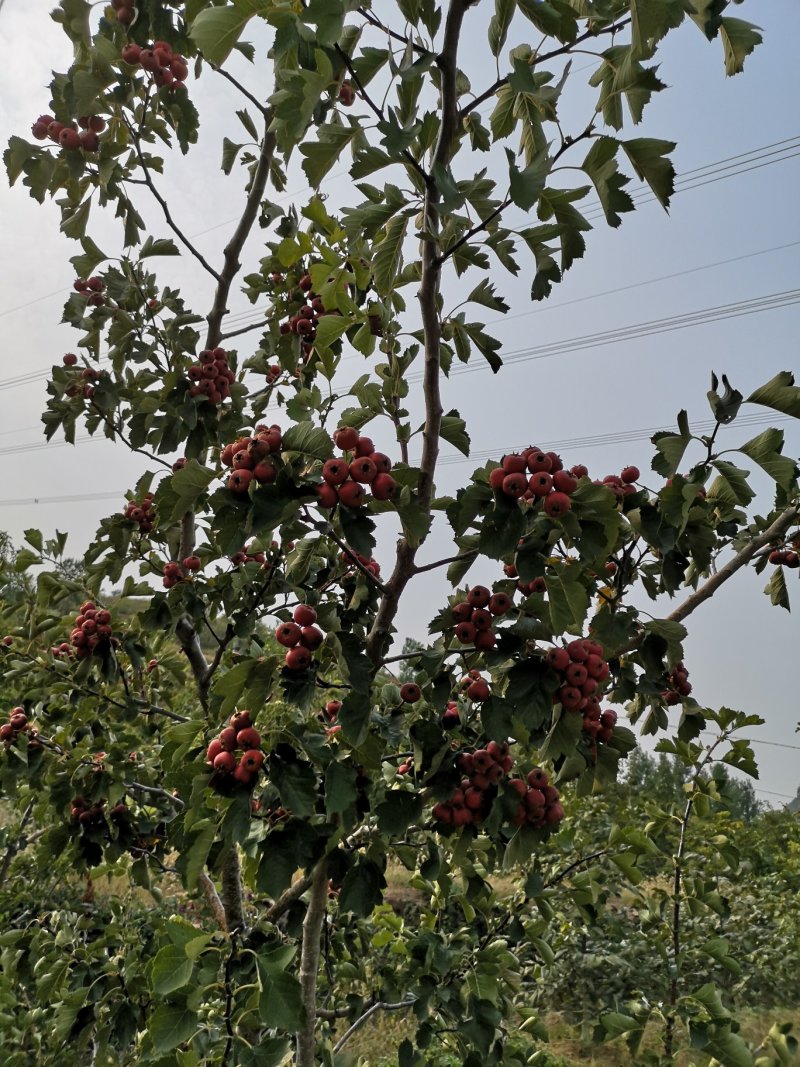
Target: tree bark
{"x": 309, "y": 964}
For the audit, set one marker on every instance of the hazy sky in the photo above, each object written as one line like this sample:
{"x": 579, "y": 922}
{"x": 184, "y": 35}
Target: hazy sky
{"x": 741, "y": 651}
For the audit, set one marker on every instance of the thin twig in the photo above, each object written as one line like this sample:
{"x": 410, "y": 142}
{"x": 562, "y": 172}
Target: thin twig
{"x": 444, "y": 563}
{"x": 244, "y": 329}
{"x": 287, "y": 898}
{"x": 400, "y": 1005}
{"x": 373, "y": 21}
{"x": 154, "y": 790}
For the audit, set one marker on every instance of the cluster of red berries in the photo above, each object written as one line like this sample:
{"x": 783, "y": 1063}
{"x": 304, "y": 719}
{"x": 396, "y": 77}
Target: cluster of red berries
{"x": 90, "y": 814}
{"x": 533, "y": 475}
{"x": 82, "y": 385}
{"x": 599, "y": 725}
{"x": 451, "y": 717}
{"x": 475, "y": 687}
{"x": 475, "y": 615}
{"x": 344, "y": 481}
{"x": 783, "y": 557}
{"x": 248, "y": 456}
{"x": 367, "y": 562}
{"x": 621, "y": 484}
{"x": 304, "y": 321}
{"x": 245, "y": 555}
{"x": 581, "y": 669}
{"x": 92, "y": 288}
{"x": 236, "y": 754}
{"x": 18, "y": 724}
{"x": 141, "y": 512}
{"x": 538, "y": 800}
{"x": 168, "y": 69}
{"x": 211, "y": 377}
{"x": 482, "y": 769}
{"x": 91, "y": 631}
{"x": 71, "y": 136}
{"x": 301, "y": 637}
{"x": 678, "y": 685}
{"x": 175, "y": 572}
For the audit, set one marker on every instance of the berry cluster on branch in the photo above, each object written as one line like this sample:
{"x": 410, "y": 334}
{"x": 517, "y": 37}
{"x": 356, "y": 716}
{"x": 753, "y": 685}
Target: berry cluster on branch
{"x": 71, "y": 136}
{"x": 345, "y": 481}
{"x": 678, "y": 685}
{"x": 482, "y": 769}
{"x": 211, "y": 376}
{"x": 92, "y": 288}
{"x": 167, "y": 69}
{"x": 539, "y": 802}
{"x": 18, "y": 724}
{"x": 475, "y": 616}
{"x": 301, "y": 637}
{"x": 235, "y": 755}
{"x": 92, "y": 632}
{"x": 141, "y": 512}
{"x": 249, "y": 458}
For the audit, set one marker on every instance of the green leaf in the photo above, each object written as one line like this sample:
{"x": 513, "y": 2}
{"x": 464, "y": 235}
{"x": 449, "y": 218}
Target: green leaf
{"x": 170, "y": 1026}
{"x": 162, "y": 246}
{"x": 203, "y": 834}
{"x": 780, "y": 393}
{"x": 216, "y": 30}
{"x": 330, "y": 328}
{"x": 498, "y": 26}
{"x": 454, "y": 431}
{"x": 651, "y": 21}
{"x": 739, "y": 39}
{"x": 388, "y": 254}
{"x": 671, "y": 447}
{"x": 296, "y": 783}
{"x": 398, "y": 811}
{"x": 765, "y": 450}
{"x": 601, "y": 166}
{"x": 614, "y": 1023}
{"x": 484, "y": 293}
{"x": 281, "y": 1002}
{"x": 74, "y": 225}
{"x": 526, "y": 185}
{"x": 308, "y": 440}
{"x": 340, "y": 788}
{"x": 362, "y": 889}
{"x": 649, "y": 159}
{"x": 776, "y": 589}
{"x": 328, "y": 147}
{"x": 170, "y": 970}
{"x": 735, "y": 481}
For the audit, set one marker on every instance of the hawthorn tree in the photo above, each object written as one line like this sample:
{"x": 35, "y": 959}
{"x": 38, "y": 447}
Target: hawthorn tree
{"x": 241, "y": 734}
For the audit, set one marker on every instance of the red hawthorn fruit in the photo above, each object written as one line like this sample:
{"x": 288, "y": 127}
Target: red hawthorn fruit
{"x": 239, "y": 481}
{"x": 192, "y": 563}
{"x": 364, "y": 447}
{"x": 327, "y": 496}
{"x": 346, "y": 438}
{"x": 553, "y": 813}
{"x": 451, "y": 719}
{"x": 630, "y": 475}
{"x": 442, "y": 813}
{"x": 485, "y": 639}
{"x": 540, "y": 483}
{"x": 579, "y": 471}
{"x": 8, "y": 640}
{"x": 515, "y": 485}
{"x": 500, "y": 603}
{"x": 89, "y": 141}
{"x": 481, "y": 619}
{"x": 332, "y": 709}
{"x": 381, "y": 461}
{"x": 131, "y": 53}
{"x": 539, "y": 462}
{"x": 514, "y": 464}
{"x": 410, "y": 692}
{"x": 556, "y": 504}
{"x": 70, "y": 359}
{"x": 479, "y": 596}
{"x": 248, "y": 738}
{"x": 462, "y": 612}
{"x": 569, "y": 697}
{"x": 288, "y": 634}
{"x": 54, "y": 132}
{"x": 264, "y": 473}
{"x": 335, "y": 471}
{"x": 18, "y": 720}
{"x": 537, "y": 779}
{"x": 347, "y": 94}
{"x": 304, "y": 615}
{"x": 6, "y": 732}
{"x": 576, "y": 674}
{"x": 558, "y": 659}
{"x": 243, "y": 461}
{"x": 565, "y": 482}
{"x": 496, "y": 479}
{"x": 69, "y": 139}
{"x": 240, "y": 719}
{"x": 479, "y": 690}
{"x": 577, "y": 651}
{"x": 298, "y": 658}
{"x": 224, "y": 762}
{"x": 351, "y": 494}
{"x": 213, "y": 750}
{"x": 384, "y": 487}
{"x": 363, "y": 470}
{"x": 465, "y": 633}
{"x": 311, "y": 637}
{"x": 253, "y": 760}
{"x": 227, "y": 739}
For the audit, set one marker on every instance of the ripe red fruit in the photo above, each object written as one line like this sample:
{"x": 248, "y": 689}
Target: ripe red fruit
{"x": 496, "y": 478}
{"x": 570, "y": 697}
{"x": 351, "y": 494}
{"x": 479, "y": 596}
{"x": 248, "y": 738}
{"x": 558, "y": 659}
{"x": 576, "y": 674}
{"x": 514, "y": 464}
{"x": 304, "y": 615}
{"x": 239, "y": 481}
{"x": 6, "y": 732}
{"x": 442, "y": 813}
{"x": 89, "y": 141}
{"x": 539, "y": 462}
{"x": 192, "y": 563}
{"x": 565, "y": 482}
{"x": 253, "y": 760}
{"x": 69, "y": 139}
{"x": 347, "y": 94}
{"x": 465, "y": 633}
{"x": 335, "y": 471}
{"x": 213, "y": 750}
{"x": 227, "y": 739}
{"x": 479, "y": 690}
{"x": 363, "y": 470}
{"x": 556, "y": 505}
{"x": 481, "y": 619}
{"x": 18, "y": 720}
{"x": 346, "y": 438}
{"x": 384, "y": 487}
{"x": 537, "y": 779}
{"x": 553, "y": 814}
{"x": 540, "y": 483}
{"x": 410, "y": 692}
{"x": 461, "y": 612}
{"x": 332, "y": 709}
{"x": 288, "y": 634}
{"x": 311, "y": 637}
{"x": 224, "y": 762}
{"x": 327, "y": 496}
{"x": 130, "y": 53}
{"x": 500, "y": 603}
{"x": 381, "y": 461}
{"x": 298, "y": 658}
{"x": 630, "y": 475}
{"x": 240, "y": 719}
{"x": 485, "y": 639}
{"x": 515, "y": 485}
{"x": 364, "y": 447}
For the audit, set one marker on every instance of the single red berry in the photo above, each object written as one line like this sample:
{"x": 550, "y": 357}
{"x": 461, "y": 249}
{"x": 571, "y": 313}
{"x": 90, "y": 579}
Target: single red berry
{"x": 410, "y": 692}
{"x": 479, "y": 596}
{"x": 630, "y": 475}
{"x": 384, "y": 487}
{"x": 298, "y": 658}
{"x": 346, "y": 438}
{"x": 288, "y": 634}
{"x": 304, "y": 615}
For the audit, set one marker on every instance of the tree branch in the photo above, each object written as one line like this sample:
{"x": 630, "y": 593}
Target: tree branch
{"x": 443, "y": 563}
{"x": 378, "y": 637}
{"x": 778, "y": 528}
{"x": 234, "y": 247}
{"x": 539, "y": 59}
{"x": 244, "y": 329}
{"x": 309, "y": 964}
{"x": 148, "y": 178}
{"x": 373, "y": 21}
{"x": 287, "y": 898}
{"x": 231, "y": 894}
{"x": 401, "y": 1005}
{"x": 214, "y": 902}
